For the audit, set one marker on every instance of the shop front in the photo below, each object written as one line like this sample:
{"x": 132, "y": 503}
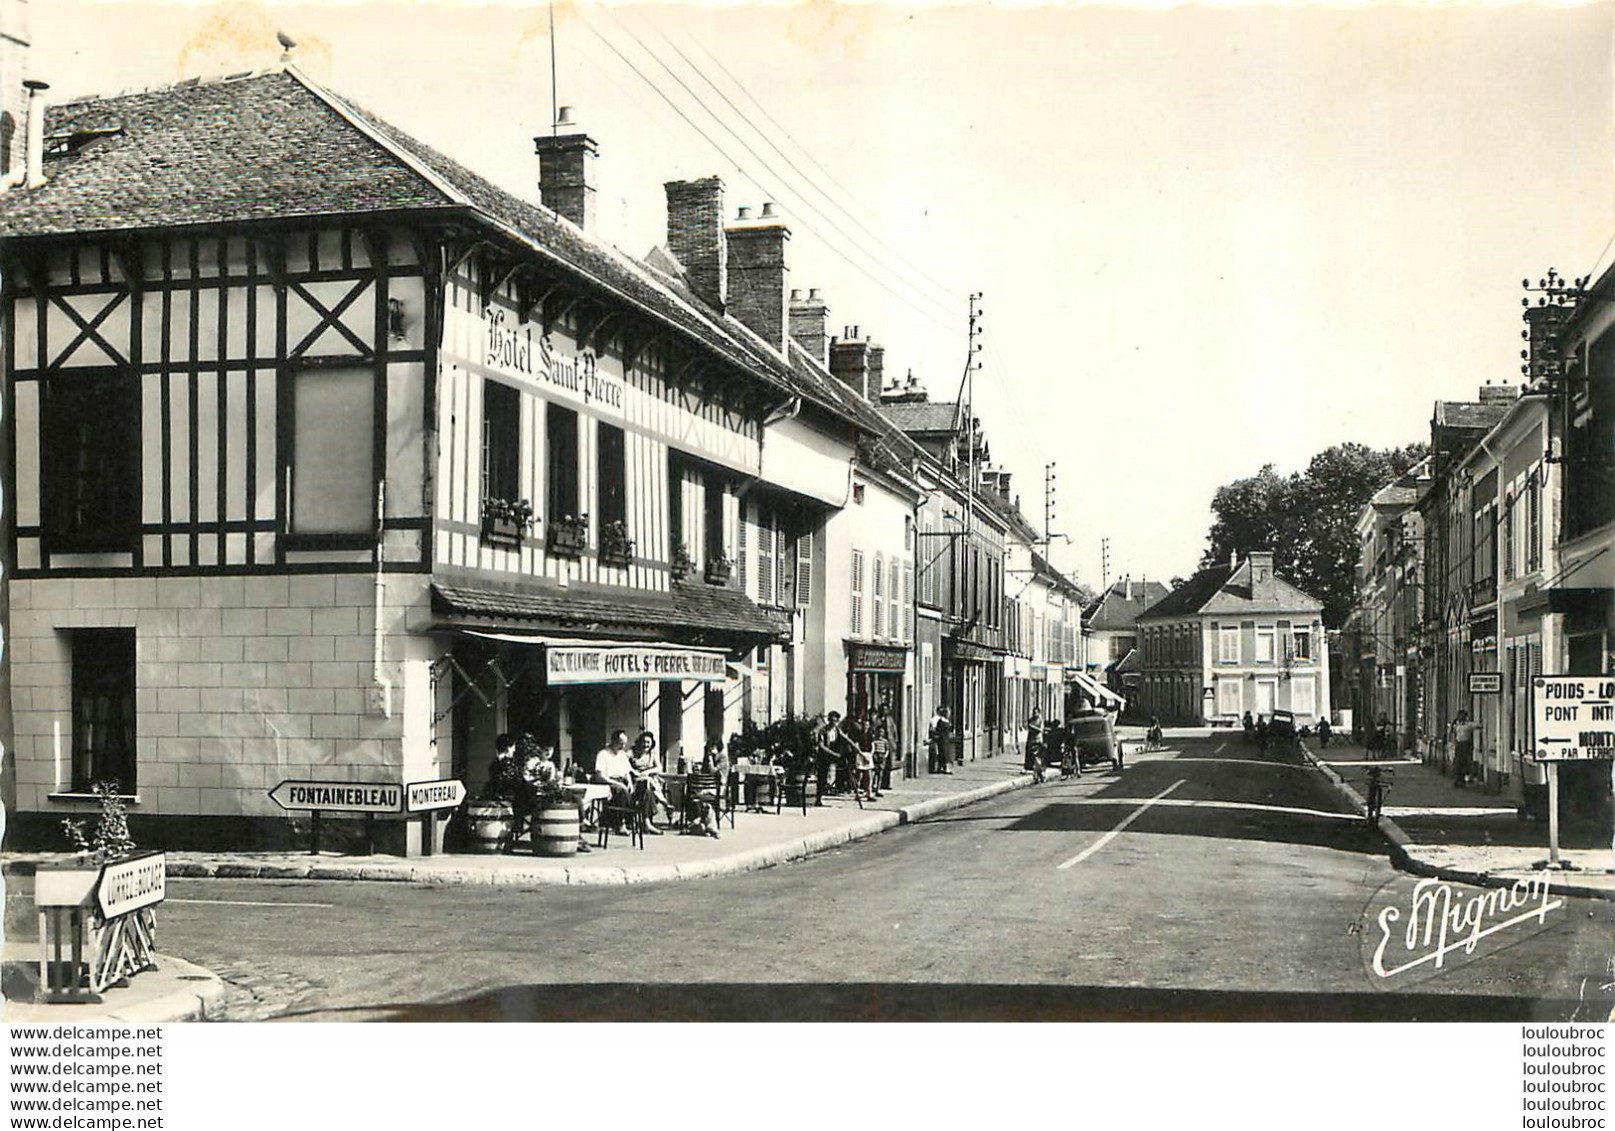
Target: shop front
{"x": 875, "y": 685}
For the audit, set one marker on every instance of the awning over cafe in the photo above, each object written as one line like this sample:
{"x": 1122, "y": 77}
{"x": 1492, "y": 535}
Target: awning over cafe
{"x": 1097, "y": 690}
{"x": 568, "y": 662}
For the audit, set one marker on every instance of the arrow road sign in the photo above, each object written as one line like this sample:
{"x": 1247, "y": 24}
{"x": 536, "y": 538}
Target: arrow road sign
{"x": 339, "y": 796}
{"x": 425, "y": 796}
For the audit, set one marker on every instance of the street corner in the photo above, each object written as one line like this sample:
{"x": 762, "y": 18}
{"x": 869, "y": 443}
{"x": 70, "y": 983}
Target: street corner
{"x": 174, "y": 990}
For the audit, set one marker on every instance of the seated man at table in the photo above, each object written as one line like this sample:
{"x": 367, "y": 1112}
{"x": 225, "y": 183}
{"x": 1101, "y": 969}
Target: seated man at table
{"x": 613, "y": 767}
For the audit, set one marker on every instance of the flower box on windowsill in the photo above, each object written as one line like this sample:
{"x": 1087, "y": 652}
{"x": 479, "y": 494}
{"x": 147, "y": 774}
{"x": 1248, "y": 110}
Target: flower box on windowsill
{"x": 506, "y": 523}
{"x": 719, "y": 571}
{"x": 616, "y": 548}
{"x": 682, "y": 565}
{"x": 567, "y": 537}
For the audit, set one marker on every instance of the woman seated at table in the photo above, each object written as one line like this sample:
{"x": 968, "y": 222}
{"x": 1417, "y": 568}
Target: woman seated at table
{"x": 706, "y": 784}
{"x": 648, "y": 777}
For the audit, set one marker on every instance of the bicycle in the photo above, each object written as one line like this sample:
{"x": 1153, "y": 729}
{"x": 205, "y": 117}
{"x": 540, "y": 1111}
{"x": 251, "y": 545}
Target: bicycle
{"x": 1378, "y": 783}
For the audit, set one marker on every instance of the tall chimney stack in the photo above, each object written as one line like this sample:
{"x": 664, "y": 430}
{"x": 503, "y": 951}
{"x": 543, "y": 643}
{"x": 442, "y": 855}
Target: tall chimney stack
{"x": 808, "y": 318}
{"x": 566, "y": 171}
{"x": 849, "y": 361}
{"x": 758, "y": 295}
{"x": 695, "y": 236}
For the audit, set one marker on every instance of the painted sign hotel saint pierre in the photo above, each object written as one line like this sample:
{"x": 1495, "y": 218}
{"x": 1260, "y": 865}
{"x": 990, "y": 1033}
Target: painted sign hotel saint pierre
{"x": 493, "y": 342}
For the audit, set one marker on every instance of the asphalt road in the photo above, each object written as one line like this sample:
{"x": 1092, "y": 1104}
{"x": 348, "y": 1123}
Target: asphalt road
{"x": 1200, "y": 883}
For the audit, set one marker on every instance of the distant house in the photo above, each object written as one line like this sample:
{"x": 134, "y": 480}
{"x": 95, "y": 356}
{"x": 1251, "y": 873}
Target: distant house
{"x": 1110, "y": 627}
{"x": 1231, "y": 639}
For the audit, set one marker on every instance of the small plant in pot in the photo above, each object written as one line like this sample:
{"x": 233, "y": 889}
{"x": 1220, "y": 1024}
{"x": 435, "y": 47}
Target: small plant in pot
{"x": 543, "y": 795}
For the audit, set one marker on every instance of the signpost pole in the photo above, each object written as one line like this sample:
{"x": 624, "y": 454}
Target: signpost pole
{"x": 1553, "y": 814}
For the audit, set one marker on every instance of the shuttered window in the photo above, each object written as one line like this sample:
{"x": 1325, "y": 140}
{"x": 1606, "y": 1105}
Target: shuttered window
{"x": 880, "y": 597}
{"x": 895, "y": 632}
{"x": 857, "y": 593}
{"x": 804, "y": 571}
{"x": 740, "y": 552}
{"x": 765, "y": 564}
{"x": 908, "y": 603}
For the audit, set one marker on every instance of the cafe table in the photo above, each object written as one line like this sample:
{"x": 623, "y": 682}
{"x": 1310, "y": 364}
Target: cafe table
{"x": 589, "y": 796}
{"x": 744, "y": 772}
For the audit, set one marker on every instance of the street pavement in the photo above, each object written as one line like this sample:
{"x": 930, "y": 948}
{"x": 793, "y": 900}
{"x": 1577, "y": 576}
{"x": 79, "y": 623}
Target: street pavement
{"x": 1205, "y": 881}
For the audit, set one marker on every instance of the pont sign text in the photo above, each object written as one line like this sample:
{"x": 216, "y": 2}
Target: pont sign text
{"x": 1574, "y": 718}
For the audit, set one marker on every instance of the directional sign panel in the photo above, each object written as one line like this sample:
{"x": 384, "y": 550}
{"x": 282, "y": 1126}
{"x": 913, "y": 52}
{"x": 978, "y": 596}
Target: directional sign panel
{"x": 425, "y": 796}
{"x": 1575, "y": 718}
{"x": 132, "y": 884}
{"x": 1485, "y": 683}
{"x": 339, "y": 796}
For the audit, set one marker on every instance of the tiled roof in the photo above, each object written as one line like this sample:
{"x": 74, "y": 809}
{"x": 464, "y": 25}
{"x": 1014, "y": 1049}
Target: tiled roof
{"x": 273, "y": 146}
{"x": 688, "y": 609}
{"x": 1471, "y": 414}
{"x": 1221, "y": 590}
{"x": 1191, "y": 595}
{"x": 926, "y": 416}
{"x": 1114, "y": 612}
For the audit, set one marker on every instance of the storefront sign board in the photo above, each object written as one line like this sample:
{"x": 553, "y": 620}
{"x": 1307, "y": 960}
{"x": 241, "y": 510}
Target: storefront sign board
{"x": 566, "y": 664}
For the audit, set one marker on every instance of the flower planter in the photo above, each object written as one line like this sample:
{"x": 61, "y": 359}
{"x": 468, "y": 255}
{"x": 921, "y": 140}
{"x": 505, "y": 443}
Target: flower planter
{"x": 69, "y": 884}
{"x": 720, "y": 571}
{"x": 567, "y": 539}
{"x": 501, "y": 531}
{"x": 556, "y": 831}
{"x": 488, "y": 824}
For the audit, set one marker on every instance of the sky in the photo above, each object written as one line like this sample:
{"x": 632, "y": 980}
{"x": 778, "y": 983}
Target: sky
{"x": 1207, "y": 239}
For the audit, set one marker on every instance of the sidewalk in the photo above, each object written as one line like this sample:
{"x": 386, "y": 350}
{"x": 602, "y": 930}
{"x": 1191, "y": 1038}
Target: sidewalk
{"x": 758, "y": 840}
{"x": 175, "y": 991}
{"x": 1469, "y": 835}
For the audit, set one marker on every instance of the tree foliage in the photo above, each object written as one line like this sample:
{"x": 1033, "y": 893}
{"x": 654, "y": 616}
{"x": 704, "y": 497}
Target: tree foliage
{"x": 1307, "y": 519}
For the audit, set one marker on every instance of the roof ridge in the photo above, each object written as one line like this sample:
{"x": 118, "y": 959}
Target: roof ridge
{"x": 159, "y": 88}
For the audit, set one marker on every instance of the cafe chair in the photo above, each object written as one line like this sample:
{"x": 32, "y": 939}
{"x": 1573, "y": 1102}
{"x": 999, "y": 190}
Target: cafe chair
{"x": 628, "y": 815}
{"x": 702, "y": 788}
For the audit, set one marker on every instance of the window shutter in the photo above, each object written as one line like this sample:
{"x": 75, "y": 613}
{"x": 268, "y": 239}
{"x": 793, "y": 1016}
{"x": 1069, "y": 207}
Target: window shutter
{"x": 896, "y": 633}
{"x": 765, "y": 564}
{"x": 879, "y": 588}
{"x": 785, "y": 567}
{"x": 857, "y": 593}
{"x": 740, "y": 552}
{"x": 804, "y": 571}
{"x": 908, "y": 604}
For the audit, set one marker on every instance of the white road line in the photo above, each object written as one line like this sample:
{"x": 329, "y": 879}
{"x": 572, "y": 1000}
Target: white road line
{"x": 247, "y": 903}
{"x": 1208, "y": 804}
{"x": 1438, "y": 811}
{"x": 1125, "y": 821}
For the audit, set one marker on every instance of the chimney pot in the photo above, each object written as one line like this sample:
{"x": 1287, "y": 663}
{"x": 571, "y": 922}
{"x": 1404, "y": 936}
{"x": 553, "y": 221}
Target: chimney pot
{"x": 563, "y": 117}
{"x": 813, "y": 292}
{"x": 768, "y": 210}
{"x": 796, "y": 294}
{"x": 744, "y": 213}
{"x": 35, "y": 168}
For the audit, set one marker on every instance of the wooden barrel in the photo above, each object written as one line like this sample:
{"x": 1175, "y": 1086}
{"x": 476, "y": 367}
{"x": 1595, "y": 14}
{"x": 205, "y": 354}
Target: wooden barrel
{"x": 488, "y": 824}
{"x": 555, "y": 832}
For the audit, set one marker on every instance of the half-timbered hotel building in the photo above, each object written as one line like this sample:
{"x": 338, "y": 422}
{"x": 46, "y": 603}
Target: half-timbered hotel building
{"x": 331, "y": 460}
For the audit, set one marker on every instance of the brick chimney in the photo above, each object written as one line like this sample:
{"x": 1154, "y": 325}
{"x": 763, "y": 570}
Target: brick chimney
{"x": 758, "y": 296}
{"x": 1261, "y": 567}
{"x": 808, "y": 318}
{"x": 877, "y": 371}
{"x": 1499, "y": 394}
{"x": 849, "y": 361}
{"x": 695, "y": 236}
{"x": 566, "y": 172}
{"x": 14, "y": 50}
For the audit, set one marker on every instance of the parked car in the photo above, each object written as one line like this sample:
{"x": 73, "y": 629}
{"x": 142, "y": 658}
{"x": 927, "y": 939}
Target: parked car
{"x": 1281, "y": 730}
{"x": 1094, "y": 738}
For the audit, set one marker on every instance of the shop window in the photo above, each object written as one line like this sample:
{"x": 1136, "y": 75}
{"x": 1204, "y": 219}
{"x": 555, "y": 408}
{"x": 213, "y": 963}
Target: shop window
{"x": 501, "y": 443}
{"x": 561, "y": 463}
{"x": 103, "y": 662}
{"x": 857, "y": 626}
{"x": 333, "y": 451}
{"x": 90, "y": 429}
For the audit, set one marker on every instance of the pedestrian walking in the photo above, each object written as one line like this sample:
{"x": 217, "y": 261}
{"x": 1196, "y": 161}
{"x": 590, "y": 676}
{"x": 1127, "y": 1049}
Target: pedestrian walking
{"x": 1463, "y": 739}
{"x": 1035, "y": 732}
{"x": 936, "y": 741}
